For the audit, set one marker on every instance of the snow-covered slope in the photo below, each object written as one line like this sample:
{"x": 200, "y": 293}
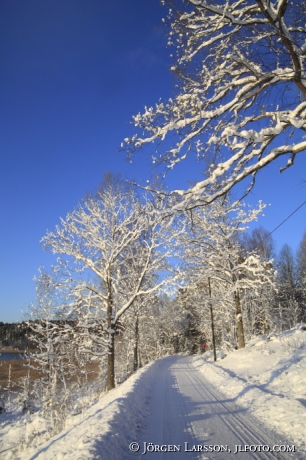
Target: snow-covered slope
{"x": 108, "y": 426}
{"x": 268, "y": 377}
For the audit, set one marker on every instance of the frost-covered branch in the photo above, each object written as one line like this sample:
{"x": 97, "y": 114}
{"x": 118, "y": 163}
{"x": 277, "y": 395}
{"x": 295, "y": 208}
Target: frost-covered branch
{"x": 114, "y": 249}
{"x": 213, "y": 256}
{"x": 241, "y": 98}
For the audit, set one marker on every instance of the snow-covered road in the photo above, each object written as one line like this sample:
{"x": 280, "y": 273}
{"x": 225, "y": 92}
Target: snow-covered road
{"x": 171, "y": 408}
{"x": 186, "y": 411}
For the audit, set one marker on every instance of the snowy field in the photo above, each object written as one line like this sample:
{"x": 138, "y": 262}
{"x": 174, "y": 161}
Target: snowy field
{"x": 267, "y": 379}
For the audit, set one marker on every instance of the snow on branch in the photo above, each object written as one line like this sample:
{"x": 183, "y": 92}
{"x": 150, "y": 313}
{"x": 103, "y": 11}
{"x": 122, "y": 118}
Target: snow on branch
{"x": 114, "y": 250}
{"x": 241, "y": 98}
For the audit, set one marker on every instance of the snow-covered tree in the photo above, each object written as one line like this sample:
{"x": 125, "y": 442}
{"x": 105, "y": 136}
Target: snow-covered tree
{"x": 171, "y": 327}
{"x": 287, "y": 288}
{"x": 240, "y": 102}
{"x": 261, "y": 241}
{"x": 301, "y": 277}
{"x": 217, "y": 270}
{"x": 114, "y": 250}
{"x": 53, "y": 347}
{"x": 260, "y": 309}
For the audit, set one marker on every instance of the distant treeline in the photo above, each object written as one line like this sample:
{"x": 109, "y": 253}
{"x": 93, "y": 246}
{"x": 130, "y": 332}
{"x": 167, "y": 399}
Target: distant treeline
{"x": 16, "y": 335}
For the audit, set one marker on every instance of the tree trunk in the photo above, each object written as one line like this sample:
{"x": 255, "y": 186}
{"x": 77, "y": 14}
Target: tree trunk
{"x": 241, "y": 343}
{"x": 111, "y": 363}
{"x": 111, "y": 348}
{"x": 136, "y": 345}
{"x": 212, "y": 322}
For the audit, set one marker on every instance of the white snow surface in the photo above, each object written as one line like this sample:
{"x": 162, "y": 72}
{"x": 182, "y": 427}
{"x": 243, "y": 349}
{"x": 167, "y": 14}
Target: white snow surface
{"x": 268, "y": 377}
{"x": 104, "y": 431}
{"x": 254, "y": 395}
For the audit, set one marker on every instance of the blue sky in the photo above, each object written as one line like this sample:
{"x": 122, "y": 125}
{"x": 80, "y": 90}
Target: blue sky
{"x": 73, "y": 73}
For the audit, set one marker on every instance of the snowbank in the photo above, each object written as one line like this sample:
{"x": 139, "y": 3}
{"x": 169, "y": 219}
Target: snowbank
{"x": 268, "y": 377}
{"x": 103, "y": 431}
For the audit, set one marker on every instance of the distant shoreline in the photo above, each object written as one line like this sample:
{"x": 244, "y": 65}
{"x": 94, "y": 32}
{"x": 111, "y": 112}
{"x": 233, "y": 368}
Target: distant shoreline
{"x": 13, "y": 351}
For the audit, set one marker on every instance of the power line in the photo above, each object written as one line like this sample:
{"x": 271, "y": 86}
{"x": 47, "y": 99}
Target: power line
{"x": 286, "y": 219}
{"x": 267, "y": 236}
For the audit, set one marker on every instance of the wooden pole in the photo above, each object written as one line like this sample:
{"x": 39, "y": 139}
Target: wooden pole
{"x": 212, "y": 321}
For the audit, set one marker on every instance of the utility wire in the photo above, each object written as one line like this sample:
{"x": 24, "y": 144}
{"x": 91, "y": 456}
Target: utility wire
{"x": 286, "y": 219}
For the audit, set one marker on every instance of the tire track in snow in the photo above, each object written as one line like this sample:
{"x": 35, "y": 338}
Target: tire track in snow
{"x": 244, "y": 428}
{"x": 167, "y": 423}
{"x": 184, "y": 407}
